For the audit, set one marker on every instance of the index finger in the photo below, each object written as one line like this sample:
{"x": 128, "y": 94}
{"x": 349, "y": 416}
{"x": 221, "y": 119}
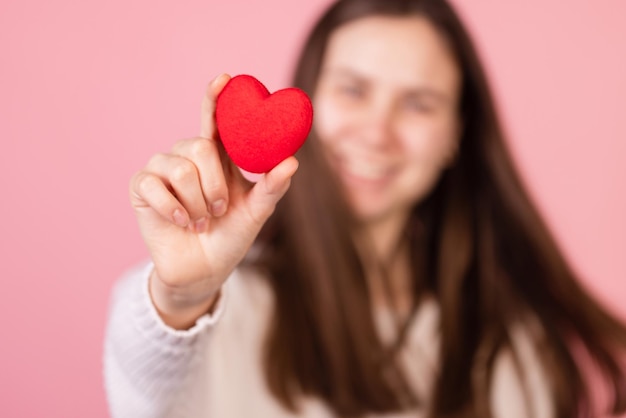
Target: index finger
{"x": 207, "y": 119}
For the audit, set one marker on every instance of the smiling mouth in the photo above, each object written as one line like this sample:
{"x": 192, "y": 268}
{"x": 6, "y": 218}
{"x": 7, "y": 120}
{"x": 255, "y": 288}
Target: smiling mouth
{"x": 363, "y": 170}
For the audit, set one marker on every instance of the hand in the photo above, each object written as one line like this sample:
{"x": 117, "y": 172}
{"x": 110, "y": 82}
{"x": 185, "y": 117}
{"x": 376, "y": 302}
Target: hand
{"x": 198, "y": 216}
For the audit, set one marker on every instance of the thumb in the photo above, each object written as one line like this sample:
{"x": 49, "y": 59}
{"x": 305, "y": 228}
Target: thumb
{"x": 270, "y": 188}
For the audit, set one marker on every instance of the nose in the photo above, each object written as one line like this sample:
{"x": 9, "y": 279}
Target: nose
{"x": 377, "y": 125}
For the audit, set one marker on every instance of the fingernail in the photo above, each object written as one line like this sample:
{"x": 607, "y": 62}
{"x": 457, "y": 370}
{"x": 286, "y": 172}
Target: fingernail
{"x": 180, "y": 218}
{"x": 215, "y": 80}
{"x": 218, "y": 208}
{"x": 200, "y": 224}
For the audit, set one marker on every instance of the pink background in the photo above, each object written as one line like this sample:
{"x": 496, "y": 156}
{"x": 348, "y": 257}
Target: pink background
{"x": 89, "y": 90}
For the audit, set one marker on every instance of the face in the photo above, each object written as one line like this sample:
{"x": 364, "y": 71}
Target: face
{"x": 386, "y": 112}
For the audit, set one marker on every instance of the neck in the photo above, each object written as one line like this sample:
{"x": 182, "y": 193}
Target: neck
{"x": 386, "y": 261}
{"x": 382, "y": 237}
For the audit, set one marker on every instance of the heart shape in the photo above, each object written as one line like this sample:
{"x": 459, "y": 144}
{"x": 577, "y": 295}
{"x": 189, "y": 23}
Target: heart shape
{"x": 259, "y": 129}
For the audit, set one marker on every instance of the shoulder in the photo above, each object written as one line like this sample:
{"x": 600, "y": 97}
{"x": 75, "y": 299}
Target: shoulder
{"x": 520, "y": 386}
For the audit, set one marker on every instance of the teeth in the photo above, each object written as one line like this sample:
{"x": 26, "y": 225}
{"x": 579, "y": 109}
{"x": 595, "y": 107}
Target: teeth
{"x": 366, "y": 170}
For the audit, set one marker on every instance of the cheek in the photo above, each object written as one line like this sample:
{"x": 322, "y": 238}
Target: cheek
{"x": 430, "y": 144}
{"x": 330, "y": 120}
{"x": 326, "y": 120}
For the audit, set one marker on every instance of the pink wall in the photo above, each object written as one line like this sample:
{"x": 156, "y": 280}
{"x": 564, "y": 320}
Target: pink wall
{"x": 89, "y": 90}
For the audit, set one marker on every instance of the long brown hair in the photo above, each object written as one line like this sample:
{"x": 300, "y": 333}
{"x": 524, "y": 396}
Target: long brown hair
{"x": 476, "y": 243}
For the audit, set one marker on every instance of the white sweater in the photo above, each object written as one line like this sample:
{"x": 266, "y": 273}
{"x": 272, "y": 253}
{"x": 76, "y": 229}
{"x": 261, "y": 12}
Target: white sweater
{"x": 214, "y": 369}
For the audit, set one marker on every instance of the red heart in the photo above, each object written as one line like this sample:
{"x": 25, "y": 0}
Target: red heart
{"x": 259, "y": 129}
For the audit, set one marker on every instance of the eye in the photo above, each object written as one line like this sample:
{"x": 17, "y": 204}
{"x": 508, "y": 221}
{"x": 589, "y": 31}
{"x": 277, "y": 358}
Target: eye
{"x": 353, "y": 91}
{"x": 417, "y": 105}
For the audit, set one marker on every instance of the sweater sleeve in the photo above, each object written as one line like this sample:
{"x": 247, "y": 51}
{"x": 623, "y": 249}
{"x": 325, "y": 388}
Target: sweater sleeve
{"x": 147, "y": 364}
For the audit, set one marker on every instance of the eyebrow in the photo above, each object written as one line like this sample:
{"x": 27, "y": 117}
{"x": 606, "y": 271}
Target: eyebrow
{"x": 419, "y": 91}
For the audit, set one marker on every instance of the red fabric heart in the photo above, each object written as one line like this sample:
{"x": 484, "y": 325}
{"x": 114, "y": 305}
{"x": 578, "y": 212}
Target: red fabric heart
{"x": 259, "y": 129}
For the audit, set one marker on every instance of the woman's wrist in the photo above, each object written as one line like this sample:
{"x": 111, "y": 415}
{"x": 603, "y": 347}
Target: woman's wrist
{"x": 176, "y": 310}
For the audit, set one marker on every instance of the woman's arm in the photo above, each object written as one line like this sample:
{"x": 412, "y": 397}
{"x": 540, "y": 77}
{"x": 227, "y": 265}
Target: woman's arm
{"x": 147, "y": 364}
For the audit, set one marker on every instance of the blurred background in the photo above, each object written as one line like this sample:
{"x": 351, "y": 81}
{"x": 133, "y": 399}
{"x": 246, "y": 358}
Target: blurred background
{"x": 90, "y": 90}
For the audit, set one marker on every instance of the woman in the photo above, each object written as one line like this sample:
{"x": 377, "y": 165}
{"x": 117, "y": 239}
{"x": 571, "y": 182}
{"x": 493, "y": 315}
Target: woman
{"x": 403, "y": 270}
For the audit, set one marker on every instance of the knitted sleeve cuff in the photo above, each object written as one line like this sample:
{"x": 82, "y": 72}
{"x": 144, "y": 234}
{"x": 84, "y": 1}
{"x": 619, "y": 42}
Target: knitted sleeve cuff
{"x": 150, "y": 322}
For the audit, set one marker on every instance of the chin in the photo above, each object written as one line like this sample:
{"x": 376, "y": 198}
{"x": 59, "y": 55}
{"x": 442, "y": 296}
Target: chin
{"x": 372, "y": 213}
